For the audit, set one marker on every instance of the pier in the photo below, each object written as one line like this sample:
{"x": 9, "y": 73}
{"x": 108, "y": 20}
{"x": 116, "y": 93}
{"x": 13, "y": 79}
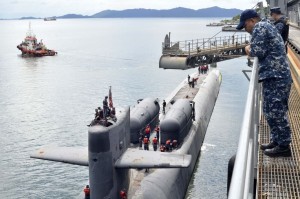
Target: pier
{"x": 256, "y": 175}
{"x": 192, "y": 53}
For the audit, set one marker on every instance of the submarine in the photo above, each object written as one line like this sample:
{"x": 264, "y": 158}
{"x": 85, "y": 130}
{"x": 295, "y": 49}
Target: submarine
{"x": 117, "y": 163}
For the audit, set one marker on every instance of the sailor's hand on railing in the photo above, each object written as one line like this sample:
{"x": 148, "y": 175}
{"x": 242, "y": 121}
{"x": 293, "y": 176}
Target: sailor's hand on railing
{"x": 247, "y": 49}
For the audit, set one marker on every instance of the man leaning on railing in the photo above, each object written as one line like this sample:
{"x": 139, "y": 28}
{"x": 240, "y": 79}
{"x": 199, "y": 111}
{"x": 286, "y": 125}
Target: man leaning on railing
{"x": 274, "y": 74}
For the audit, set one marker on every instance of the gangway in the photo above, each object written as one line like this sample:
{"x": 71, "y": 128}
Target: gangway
{"x": 193, "y": 53}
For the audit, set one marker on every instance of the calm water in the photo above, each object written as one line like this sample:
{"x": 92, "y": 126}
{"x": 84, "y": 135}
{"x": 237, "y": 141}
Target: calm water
{"x": 50, "y": 100}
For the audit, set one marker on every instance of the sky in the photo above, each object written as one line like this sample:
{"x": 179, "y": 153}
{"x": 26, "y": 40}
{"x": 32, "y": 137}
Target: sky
{"x": 45, "y": 8}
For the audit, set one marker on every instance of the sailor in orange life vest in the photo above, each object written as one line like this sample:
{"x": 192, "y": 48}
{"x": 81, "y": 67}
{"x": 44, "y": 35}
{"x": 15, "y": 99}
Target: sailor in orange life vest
{"x": 147, "y": 131}
{"x": 146, "y": 143}
{"x": 123, "y": 194}
{"x": 86, "y": 191}
{"x": 174, "y": 144}
{"x": 154, "y": 142}
{"x": 168, "y": 145}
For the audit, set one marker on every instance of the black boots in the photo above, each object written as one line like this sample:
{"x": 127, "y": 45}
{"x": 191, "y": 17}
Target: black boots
{"x": 270, "y": 145}
{"x": 272, "y": 149}
{"x": 278, "y": 151}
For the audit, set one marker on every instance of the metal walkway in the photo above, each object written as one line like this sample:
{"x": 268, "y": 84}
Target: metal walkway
{"x": 280, "y": 177}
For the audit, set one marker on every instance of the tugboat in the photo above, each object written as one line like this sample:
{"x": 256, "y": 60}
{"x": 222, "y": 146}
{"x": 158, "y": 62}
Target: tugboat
{"x": 30, "y": 46}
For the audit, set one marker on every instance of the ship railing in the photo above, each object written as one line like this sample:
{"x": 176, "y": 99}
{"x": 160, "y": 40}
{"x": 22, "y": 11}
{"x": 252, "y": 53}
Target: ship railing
{"x": 245, "y": 167}
{"x": 207, "y": 44}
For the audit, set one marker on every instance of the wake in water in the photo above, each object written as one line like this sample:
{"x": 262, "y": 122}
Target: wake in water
{"x": 206, "y": 146}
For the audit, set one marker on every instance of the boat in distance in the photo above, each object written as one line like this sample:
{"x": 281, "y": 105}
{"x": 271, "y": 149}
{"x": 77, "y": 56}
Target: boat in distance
{"x": 30, "y": 47}
{"x": 231, "y": 28}
{"x": 215, "y": 24}
{"x": 50, "y": 19}
{"x": 117, "y": 161}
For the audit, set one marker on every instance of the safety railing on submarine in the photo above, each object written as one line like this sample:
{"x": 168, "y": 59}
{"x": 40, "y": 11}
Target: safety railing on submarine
{"x": 245, "y": 167}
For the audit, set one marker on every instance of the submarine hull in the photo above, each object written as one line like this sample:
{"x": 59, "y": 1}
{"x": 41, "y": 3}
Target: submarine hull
{"x": 173, "y": 183}
{"x": 177, "y": 121}
{"x": 142, "y": 114}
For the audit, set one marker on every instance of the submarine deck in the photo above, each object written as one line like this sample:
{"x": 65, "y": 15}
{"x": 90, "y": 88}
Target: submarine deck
{"x": 183, "y": 91}
{"x": 280, "y": 177}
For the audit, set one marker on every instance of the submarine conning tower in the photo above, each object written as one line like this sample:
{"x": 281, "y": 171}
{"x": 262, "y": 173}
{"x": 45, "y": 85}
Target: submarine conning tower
{"x": 177, "y": 122}
{"x": 105, "y": 146}
{"x": 143, "y": 113}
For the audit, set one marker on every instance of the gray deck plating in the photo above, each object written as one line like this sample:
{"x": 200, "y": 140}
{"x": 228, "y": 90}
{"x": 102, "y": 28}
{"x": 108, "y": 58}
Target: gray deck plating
{"x": 185, "y": 91}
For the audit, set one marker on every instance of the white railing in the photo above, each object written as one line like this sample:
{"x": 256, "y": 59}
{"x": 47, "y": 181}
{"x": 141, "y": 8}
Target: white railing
{"x": 244, "y": 173}
{"x": 214, "y": 43}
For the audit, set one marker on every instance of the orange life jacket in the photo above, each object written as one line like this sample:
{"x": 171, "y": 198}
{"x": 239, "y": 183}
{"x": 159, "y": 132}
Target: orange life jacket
{"x": 154, "y": 140}
{"x": 174, "y": 143}
{"x": 147, "y": 130}
{"x": 123, "y": 194}
{"x": 86, "y": 191}
{"x": 146, "y": 140}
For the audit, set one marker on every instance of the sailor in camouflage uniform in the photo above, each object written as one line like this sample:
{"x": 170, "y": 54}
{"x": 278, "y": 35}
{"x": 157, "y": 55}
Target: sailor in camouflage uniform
{"x": 274, "y": 74}
{"x": 281, "y": 24}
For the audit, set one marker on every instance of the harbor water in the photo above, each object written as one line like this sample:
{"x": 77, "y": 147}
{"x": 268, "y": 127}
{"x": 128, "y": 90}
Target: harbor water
{"x": 48, "y": 101}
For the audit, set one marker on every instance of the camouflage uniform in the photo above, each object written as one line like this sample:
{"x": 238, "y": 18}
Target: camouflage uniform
{"x": 274, "y": 73}
{"x": 283, "y": 28}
